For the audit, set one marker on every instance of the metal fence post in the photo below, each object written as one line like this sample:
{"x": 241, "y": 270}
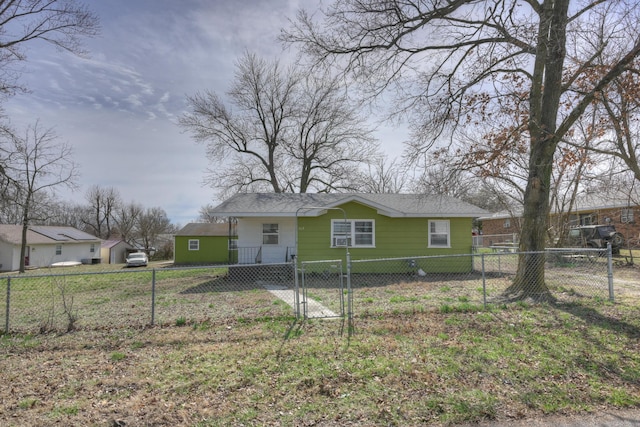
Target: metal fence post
{"x": 610, "y": 270}
{"x": 305, "y": 295}
{"x": 153, "y": 296}
{"x": 484, "y": 283}
{"x": 6, "y": 320}
{"x": 296, "y": 287}
{"x": 349, "y": 294}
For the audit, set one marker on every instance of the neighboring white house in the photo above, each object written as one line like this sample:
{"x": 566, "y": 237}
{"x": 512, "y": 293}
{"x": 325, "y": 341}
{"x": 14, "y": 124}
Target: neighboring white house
{"x": 46, "y": 245}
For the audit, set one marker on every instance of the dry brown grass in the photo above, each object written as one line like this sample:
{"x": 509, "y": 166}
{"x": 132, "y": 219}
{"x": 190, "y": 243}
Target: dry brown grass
{"x": 423, "y": 352}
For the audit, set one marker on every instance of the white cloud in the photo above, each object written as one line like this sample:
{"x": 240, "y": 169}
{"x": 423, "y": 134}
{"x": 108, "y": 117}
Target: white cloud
{"x": 119, "y": 107}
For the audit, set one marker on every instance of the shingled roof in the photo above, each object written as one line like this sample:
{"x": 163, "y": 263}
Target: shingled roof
{"x": 314, "y": 204}
{"x": 204, "y": 229}
{"x": 41, "y": 234}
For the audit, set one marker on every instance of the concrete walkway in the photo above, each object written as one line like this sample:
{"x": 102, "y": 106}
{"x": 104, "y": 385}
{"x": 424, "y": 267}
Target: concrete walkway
{"x": 314, "y": 308}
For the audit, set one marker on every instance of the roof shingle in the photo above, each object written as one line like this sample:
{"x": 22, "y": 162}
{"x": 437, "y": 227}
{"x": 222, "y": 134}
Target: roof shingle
{"x": 312, "y": 204}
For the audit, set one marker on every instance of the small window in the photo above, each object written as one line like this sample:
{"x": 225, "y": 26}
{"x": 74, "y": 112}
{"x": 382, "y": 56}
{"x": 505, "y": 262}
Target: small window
{"x": 363, "y": 233}
{"x": 354, "y": 233}
{"x": 626, "y": 215}
{"x": 507, "y": 223}
{"x": 92, "y": 249}
{"x": 194, "y": 244}
{"x": 58, "y": 249}
{"x": 270, "y": 234}
{"x": 439, "y": 235}
{"x": 340, "y": 234}
{"x": 588, "y": 219}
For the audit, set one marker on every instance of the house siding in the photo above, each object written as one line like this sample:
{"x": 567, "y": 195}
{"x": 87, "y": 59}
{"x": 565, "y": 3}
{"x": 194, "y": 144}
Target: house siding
{"x": 213, "y": 249}
{"x": 394, "y": 238}
{"x": 45, "y": 255}
{"x": 6, "y": 256}
{"x": 250, "y": 236}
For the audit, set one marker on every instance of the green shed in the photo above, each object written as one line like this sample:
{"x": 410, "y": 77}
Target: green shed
{"x": 205, "y": 243}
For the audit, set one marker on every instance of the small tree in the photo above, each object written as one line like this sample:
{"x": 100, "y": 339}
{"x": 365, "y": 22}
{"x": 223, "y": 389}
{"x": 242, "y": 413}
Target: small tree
{"x": 205, "y": 216}
{"x": 37, "y": 166}
{"x": 126, "y": 219}
{"x": 150, "y": 224}
{"x": 103, "y": 203}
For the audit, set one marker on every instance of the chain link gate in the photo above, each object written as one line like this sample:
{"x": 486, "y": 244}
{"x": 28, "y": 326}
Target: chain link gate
{"x": 322, "y": 290}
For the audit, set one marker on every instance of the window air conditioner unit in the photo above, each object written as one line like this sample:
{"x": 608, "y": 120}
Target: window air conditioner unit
{"x": 340, "y": 241}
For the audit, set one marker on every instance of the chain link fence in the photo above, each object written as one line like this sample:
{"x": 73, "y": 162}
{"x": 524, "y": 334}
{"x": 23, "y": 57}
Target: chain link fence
{"x": 471, "y": 282}
{"x": 138, "y": 298}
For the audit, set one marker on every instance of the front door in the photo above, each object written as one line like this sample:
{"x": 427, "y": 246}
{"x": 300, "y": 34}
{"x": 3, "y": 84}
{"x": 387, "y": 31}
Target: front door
{"x": 272, "y": 250}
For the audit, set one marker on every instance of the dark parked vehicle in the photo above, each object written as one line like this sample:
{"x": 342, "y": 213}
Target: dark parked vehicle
{"x": 596, "y": 236}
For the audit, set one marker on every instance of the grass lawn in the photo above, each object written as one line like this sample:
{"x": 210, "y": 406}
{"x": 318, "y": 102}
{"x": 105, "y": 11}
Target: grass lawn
{"x": 402, "y": 368}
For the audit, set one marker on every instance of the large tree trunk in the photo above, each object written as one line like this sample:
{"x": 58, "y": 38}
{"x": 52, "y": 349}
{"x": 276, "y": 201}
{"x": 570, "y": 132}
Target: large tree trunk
{"x": 23, "y": 241}
{"x": 545, "y": 93}
{"x": 529, "y": 281}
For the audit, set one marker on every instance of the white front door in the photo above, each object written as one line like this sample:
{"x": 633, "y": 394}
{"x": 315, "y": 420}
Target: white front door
{"x": 271, "y": 247}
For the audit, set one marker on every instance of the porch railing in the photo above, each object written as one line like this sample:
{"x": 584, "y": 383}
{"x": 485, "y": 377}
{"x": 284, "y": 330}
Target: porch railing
{"x": 250, "y": 255}
{"x": 253, "y": 254}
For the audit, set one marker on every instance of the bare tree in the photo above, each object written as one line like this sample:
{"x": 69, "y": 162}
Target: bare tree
{"x": 126, "y": 219}
{"x": 67, "y": 214}
{"x": 37, "y": 166}
{"x": 613, "y": 121}
{"x": 151, "y": 223}
{"x": 453, "y": 62}
{"x": 382, "y": 175}
{"x": 103, "y": 203}
{"x": 289, "y": 132}
{"x": 204, "y": 215}
{"x": 61, "y": 23}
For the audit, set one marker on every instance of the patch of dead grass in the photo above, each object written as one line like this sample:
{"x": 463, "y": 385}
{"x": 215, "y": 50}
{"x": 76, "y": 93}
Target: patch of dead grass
{"x": 400, "y": 369}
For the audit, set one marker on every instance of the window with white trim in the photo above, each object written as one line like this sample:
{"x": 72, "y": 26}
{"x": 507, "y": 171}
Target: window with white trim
{"x": 270, "y": 234}
{"x": 356, "y": 233}
{"x": 194, "y": 244}
{"x": 626, "y": 215}
{"x": 58, "y": 249}
{"x": 92, "y": 249}
{"x": 507, "y": 223}
{"x": 439, "y": 234}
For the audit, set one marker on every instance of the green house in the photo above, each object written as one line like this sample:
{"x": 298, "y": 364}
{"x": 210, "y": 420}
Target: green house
{"x": 205, "y": 243}
{"x": 274, "y": 226}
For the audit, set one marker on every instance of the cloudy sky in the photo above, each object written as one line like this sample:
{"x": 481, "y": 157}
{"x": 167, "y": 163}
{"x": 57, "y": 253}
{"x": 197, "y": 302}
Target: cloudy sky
{"x": 118, "y": 108}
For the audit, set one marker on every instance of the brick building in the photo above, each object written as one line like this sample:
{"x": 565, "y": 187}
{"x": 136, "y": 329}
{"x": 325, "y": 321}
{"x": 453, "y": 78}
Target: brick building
{"x": 504, "y": 227}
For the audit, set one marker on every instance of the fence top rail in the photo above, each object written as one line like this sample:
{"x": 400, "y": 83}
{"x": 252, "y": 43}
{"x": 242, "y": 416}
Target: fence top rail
{"x": 576, "y": 249}
{"x": 324, "y": 261}
{"x": 78, "y": 273}
{"x": 546, "y": 251}
{"x": 408, "y": 258}
{"x": 198, "y": 267}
